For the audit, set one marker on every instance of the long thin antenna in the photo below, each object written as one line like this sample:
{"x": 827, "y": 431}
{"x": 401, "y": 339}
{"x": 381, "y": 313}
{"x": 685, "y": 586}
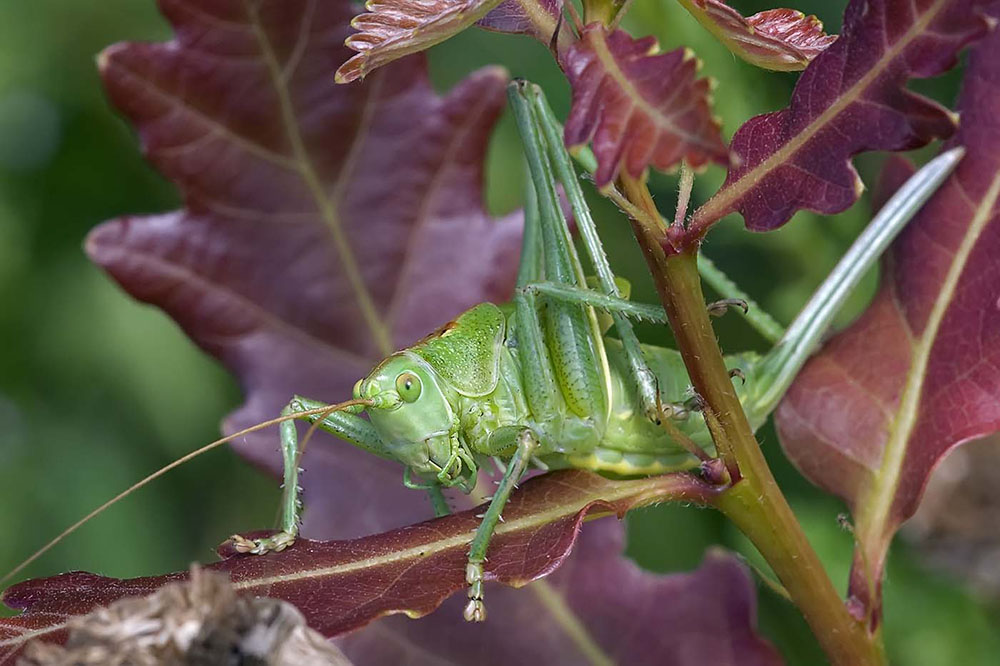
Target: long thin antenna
{"x": 163, "y": 470}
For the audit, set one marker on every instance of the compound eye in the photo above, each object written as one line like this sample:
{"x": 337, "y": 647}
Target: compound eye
{"x": 408, "y": 386}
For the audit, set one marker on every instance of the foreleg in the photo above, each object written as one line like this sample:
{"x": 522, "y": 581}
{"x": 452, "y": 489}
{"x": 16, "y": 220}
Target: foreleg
{"x": 345, "y": 425}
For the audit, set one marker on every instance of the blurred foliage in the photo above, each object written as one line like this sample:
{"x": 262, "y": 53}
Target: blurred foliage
{"x": 97, "y": 391}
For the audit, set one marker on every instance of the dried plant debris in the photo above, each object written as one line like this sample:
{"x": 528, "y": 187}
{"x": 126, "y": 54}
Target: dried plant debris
{"x": 201, "y": 622}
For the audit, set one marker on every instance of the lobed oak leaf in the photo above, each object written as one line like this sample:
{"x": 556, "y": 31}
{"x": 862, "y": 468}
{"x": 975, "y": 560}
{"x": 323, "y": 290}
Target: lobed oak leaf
{"x": 342, "y": 585}
{"x": 872, "y": 415}
{"x": 324, "y": 226}
{"x": 851, "y": 99}
{"x": 639, "y": 109}
{"x": 778, "y": 39}
{"x": 707, "y": 616}
{"x": 391, "y": 29}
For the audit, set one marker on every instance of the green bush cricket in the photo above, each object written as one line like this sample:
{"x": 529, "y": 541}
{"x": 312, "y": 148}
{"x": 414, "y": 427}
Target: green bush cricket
{"x": 536, "y": 383}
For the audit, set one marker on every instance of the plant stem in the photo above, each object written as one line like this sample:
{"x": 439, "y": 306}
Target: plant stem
{"x": 754, "y": 502}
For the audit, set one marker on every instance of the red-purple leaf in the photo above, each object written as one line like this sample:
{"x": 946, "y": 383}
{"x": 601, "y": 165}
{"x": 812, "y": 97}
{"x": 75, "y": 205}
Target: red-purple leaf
{"x": 919, "y": 373}
{"x": 538, "y": 18}
{"x": 896, "y": 170}
{"x": 639, "y": 109}
{"x": 325, "y": 226}
{"x": 778, "y": 39}
{"x": 703, "y": 617}
{"x": 342, "y": 585}
{"x": 851, "y": 99}
{"x": 391, "y": 29}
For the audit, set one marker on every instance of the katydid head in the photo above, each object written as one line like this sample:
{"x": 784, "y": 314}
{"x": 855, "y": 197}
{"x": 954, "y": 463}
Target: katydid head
{"x": 415, "y": 419}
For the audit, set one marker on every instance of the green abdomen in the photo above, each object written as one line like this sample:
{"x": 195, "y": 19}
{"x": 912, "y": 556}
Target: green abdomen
{"x": 631, "y": 444}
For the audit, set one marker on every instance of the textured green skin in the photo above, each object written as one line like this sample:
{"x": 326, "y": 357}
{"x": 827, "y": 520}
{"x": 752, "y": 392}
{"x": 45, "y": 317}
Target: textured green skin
{"x": 473, "y": 398}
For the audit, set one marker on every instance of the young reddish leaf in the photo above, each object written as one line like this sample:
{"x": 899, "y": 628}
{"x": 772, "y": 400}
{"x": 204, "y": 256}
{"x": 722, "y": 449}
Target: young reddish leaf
{"x": 324, "y": 226}
{"x": 639, "y": 109}
{"x": 852, "y": 98}
{"x": 392, "y": 29}
{"x": 538, "y": 18}
{"x": 342, "y": 585}
{"x": 870, "y": 417}
{"x": 779, "y": 39}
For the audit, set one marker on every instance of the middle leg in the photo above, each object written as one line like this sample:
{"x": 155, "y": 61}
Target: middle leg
{"x": 527, "y": 444}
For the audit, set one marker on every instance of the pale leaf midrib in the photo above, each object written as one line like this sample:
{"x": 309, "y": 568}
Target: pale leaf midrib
{"x": 457, "y": 142}
{"x": 567, "y": 620}
{"x": 362, "y": 296}
{"x": 542, "y": 20}
{"x": 216, "y": 127}
{"x": 26, "y": 636}
{"x": 727, "y": 198}
{"x": 185, "y": 275}
{"x": 881, "y": 493}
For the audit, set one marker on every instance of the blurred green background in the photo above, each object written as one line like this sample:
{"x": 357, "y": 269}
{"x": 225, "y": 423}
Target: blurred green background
{"x": 96, "y": 390}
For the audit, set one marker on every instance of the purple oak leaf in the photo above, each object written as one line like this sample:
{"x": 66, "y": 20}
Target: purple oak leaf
{"x": 617, "y": 614}
{"x": 919, "y": 373}
{"x": 638, "y": 109}
{"x": 324, "y": 226}
{"x": 851, "y": 99}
